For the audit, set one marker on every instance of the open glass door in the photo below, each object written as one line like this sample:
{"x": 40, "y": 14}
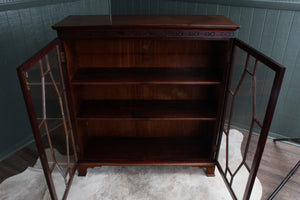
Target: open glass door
{"x": 44, "y": 90}
{"x": 253, "y": 89}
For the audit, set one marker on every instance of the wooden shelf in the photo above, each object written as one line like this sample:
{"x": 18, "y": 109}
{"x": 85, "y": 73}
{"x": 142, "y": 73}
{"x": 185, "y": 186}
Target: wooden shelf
{"x": 147, "y": 110}
{"x": 145, "y": 75}
{"x": 147, "y": 151}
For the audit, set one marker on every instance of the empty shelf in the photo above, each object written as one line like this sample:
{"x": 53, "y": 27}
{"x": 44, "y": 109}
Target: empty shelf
{"x": 147, "y": 109}
{"x": 145, "y": 75}
{"x": 147, "y": 151}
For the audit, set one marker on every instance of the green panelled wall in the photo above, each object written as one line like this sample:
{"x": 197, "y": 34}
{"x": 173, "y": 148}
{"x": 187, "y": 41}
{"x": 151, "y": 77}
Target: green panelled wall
{"x": 275, "y": 32}
{"x": 22, "y": 33}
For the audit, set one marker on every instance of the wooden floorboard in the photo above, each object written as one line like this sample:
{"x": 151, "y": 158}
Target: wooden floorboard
{"x": 278, "y": 159}
{"x": 18, "y": 162}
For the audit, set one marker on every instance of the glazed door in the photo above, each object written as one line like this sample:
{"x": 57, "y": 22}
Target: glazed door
{"x": 253, "y": 89}
{"x": 44, "y": 90}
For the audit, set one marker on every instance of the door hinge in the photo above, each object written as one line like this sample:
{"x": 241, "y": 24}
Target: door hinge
{"x": 26, "y": 81}
{"x": 62, "y": 57}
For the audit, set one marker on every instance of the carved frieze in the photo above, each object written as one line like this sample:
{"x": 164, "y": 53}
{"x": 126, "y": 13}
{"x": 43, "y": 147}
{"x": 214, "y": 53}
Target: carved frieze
{"x": 165, "y": 34}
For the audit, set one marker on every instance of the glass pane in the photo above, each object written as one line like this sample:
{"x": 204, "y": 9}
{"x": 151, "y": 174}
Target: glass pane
{"x": 53, "y": 156}
{"x": 243, "y": 104}
{"x": 252, "y": 144}
{"x": 264, "y": 82}
{"x": 251, "y": 64}
{"x": 238, "y": 68}
{"x": 241, "y": 119}
{"x": 240, "y": 181}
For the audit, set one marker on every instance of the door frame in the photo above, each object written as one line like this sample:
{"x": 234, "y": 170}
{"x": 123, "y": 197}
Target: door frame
{"x": 22, "y": 74}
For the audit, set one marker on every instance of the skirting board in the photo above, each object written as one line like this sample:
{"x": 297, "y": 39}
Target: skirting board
{"x": 16, "y": 147}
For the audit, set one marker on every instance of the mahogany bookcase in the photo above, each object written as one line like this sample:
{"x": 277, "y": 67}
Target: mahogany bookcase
{"x": 141, "y": 90}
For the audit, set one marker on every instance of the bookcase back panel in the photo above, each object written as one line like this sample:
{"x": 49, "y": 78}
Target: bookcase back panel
{"x": 148, "y": 92}
{"x": 146, "y": 128}
{"x": 150, "y": 53}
